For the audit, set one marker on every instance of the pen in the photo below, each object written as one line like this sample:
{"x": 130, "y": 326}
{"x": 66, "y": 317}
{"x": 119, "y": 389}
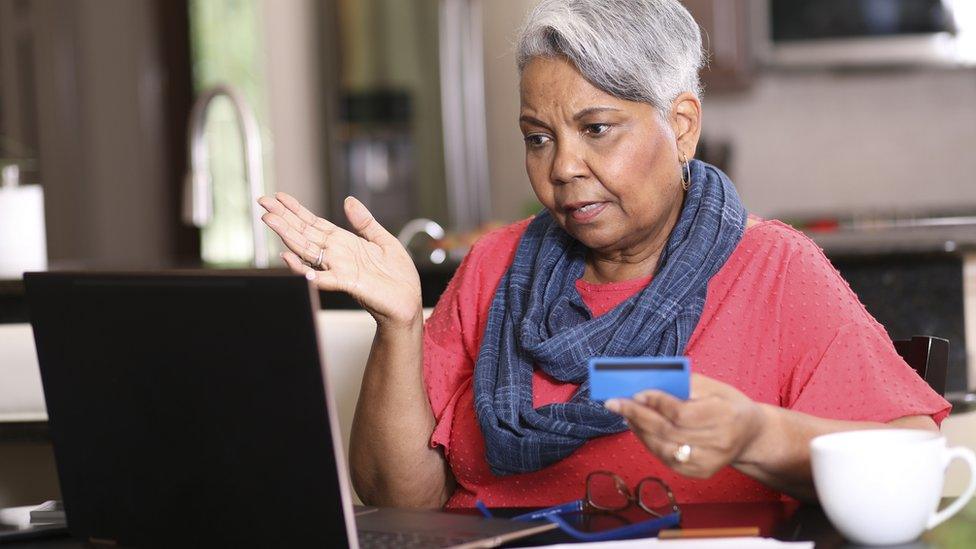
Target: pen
{"x": 679, "y": 533}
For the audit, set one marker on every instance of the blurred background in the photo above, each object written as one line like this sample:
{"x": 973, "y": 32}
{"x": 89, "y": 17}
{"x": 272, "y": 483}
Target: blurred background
{"x": 817, "y": 108}
{"x": 149, "y": 125}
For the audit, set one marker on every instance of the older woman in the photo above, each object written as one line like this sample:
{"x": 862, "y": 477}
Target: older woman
{"x": 639, "y": 251}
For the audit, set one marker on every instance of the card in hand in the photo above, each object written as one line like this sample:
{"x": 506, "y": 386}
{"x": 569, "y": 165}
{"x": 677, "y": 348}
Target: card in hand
{"x": 623, "y": 377}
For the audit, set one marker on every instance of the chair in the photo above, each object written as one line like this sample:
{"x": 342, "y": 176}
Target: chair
{"x": 929, "y": 357}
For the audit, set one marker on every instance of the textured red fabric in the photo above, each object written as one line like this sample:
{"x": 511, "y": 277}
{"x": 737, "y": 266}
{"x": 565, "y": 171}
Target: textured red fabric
{"x": 779, "y": 324}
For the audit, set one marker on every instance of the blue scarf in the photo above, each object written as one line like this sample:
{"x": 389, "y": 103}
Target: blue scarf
{"x": 537, "y": 318}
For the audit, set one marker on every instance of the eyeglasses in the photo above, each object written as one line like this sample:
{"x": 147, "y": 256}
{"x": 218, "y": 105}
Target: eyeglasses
{"x": 607, "y": 495}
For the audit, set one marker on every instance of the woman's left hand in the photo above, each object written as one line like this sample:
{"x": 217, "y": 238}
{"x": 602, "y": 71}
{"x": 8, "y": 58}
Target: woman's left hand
{"x": 717, "y": 422}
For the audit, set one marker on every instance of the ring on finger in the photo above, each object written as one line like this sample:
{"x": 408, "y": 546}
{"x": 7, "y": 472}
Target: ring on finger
{"x": 318, "y": 261}
{"x": 682, "y": 454}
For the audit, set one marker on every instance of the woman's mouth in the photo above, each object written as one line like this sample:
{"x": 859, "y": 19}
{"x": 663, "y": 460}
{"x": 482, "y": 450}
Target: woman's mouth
{"x": 587, "y": 212}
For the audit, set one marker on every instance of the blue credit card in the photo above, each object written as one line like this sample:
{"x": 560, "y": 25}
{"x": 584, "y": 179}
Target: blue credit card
{"x": 623, "y": 377}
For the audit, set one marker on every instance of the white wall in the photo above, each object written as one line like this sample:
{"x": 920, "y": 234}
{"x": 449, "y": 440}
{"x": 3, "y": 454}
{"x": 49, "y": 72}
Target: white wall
{"x": 295, "y": 99}
{"x": 506, "y": 153}
{"x": 860, "y": 141}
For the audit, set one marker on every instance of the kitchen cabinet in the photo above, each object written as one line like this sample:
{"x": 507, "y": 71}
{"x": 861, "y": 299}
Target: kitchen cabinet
{"x": 727, "y": 30}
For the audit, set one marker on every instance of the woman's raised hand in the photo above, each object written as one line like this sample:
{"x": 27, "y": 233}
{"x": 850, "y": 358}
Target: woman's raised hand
{"x": 371, "y": 266}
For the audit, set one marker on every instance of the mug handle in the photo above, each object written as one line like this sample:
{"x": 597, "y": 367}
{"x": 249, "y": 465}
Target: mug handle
{"x": 969, "y": 457}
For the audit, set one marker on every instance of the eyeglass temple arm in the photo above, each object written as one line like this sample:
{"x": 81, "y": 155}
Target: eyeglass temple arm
{"x": 642, "y": 528}
{"x": 571, "y": 507}
{"x": 483, "y": 508}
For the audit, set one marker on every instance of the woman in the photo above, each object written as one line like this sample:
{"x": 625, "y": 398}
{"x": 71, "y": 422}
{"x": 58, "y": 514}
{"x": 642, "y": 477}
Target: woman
{"x": 639, "y": 251}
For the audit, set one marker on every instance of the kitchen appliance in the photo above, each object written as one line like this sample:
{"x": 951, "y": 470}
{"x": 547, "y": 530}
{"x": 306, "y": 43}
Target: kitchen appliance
{"x": 859, "y": 33}
{"x": 23, "y": 243}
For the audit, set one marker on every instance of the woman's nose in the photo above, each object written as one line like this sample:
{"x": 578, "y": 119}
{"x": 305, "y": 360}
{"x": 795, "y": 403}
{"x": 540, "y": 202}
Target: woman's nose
{"x": 568, "y": 164}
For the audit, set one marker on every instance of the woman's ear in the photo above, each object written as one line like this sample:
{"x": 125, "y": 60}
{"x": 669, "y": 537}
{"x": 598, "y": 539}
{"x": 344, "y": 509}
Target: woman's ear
{"x": 686, "y": 123}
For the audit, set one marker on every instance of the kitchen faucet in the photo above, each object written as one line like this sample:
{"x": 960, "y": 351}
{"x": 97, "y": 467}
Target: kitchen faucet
{"x": 198, "y": 189}
{"x": 421, "y": 225}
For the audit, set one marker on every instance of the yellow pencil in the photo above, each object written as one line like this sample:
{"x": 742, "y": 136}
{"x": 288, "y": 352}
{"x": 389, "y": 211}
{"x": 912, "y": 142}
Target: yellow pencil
{"x": 678, "y": 533}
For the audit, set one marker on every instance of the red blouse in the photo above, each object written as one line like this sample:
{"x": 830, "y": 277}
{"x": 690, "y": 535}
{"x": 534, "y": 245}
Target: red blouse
{"x": 779, "y": 324}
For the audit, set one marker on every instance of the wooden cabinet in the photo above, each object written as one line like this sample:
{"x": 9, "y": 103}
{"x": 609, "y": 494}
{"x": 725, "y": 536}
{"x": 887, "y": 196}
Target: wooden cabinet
{"x": 727, "y": 35}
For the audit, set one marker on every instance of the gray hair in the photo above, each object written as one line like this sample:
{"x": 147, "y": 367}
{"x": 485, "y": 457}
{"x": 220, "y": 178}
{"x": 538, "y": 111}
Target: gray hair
{"x": 638, "y": 50}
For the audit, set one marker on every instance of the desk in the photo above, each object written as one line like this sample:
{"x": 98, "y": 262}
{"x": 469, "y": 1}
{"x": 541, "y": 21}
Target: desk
{"x": 795, "y": 522}
{"x": 785, "y": 521}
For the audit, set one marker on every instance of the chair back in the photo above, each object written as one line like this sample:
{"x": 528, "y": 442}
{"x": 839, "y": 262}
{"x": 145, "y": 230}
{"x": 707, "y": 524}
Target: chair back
{"x": 929, "y": 357}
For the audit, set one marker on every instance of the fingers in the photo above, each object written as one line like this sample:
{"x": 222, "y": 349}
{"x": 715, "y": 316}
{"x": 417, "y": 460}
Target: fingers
{"x": 275, "y": 206}
{"x": 663, "y": 439}
{"x": 324, "y": 280}
{"x": 296, "y": 220}
{"x": 669, "y": 406}
{"x": 365, "y": 224}
{"x": 653, "y": 428}
{"x": 639, "y": 416}
{"x": 302, "y": 214}
{"x": 272, "y": 205}
{"x": 303, "y": 239}
{"x": 305, "y": 248}
{"x": 690, "y": 414}
{"x": 649, "y": 421}
{"x": 295, "y": 263}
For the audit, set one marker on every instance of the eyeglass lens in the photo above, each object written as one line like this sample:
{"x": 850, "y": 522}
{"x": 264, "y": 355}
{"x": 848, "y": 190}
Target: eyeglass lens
{"x": 654, "y": 496}
{"x": 607, "y": 491}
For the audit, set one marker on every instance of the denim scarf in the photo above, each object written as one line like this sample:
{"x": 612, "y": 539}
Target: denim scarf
{"x": 537, "y": 318}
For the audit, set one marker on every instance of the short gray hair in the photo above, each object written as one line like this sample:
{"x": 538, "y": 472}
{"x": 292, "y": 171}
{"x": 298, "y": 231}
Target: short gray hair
{"x": 638, "y": 50}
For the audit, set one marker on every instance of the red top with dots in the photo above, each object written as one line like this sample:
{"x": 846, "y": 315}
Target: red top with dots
{"x": 779, "y": 324}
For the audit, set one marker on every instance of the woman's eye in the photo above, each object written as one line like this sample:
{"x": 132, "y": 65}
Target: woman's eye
{"x": 536, "y": 140}
{"x": 597, "y": 129}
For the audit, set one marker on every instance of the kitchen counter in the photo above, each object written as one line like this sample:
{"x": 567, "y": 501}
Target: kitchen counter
{"x": 433, "y": 281}
{"x": 937, "y": 235}
{"x": 894, "y": 234}
{"x": 13, "y": 307}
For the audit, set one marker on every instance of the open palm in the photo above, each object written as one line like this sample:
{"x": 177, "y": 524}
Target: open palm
{"x": 370, "y": 265}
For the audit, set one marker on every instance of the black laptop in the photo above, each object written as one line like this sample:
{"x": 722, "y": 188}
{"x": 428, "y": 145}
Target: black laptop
{"x": 192, "y": 409}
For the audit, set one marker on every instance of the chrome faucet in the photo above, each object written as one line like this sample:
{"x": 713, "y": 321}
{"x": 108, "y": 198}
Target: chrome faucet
{"x": 198, "y": 189}
{"x": 420, "y": 225}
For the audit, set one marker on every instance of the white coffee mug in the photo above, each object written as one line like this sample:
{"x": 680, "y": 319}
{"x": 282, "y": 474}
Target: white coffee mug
{"x": 883, "y": 486}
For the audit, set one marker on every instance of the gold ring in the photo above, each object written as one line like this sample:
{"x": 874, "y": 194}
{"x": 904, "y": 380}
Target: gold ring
{"x": 682, "y": 454}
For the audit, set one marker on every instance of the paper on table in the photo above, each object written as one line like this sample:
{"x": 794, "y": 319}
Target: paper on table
{"x": 22, "y": 240}
{"x": 703, "y": 543}
{"x": 16, "y": 516}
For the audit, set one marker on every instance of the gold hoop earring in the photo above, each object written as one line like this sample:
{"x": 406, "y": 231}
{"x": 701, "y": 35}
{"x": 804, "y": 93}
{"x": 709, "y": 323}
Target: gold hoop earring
{"x": 685, "y": 172}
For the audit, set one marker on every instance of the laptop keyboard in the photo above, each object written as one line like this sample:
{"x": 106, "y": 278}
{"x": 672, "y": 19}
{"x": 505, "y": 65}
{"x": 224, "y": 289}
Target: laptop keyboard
{"x": 380, "y": 540}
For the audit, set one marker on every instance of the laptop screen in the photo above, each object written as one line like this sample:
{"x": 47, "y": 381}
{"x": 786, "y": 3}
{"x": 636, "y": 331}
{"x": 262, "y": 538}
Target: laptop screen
{"x": 187, "y": 408}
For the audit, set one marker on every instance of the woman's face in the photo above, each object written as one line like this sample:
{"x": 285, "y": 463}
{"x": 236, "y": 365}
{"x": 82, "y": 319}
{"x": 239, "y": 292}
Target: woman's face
{"x": 607, "y": 169}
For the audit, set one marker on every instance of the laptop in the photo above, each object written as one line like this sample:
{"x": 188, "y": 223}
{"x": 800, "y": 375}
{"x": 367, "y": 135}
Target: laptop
{"x": 193, "y": 409}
